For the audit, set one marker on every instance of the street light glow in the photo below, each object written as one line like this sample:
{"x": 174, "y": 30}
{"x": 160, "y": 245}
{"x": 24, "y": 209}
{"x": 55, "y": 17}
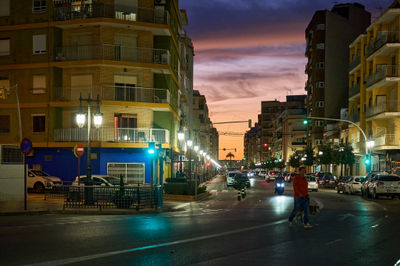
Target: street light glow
{"x": 189, "y": 143}
{"x": 320, "y": 152}
{"x": 181, "y": 136}
{"x": 80, "y": 119}
{"x": 196, "y": 148}
{"x": 208, "y": 157}
{"x": 98, "y": 119}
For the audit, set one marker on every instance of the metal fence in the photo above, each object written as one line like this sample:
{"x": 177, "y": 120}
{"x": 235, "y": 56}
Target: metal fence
{"x": 137, "y": 197}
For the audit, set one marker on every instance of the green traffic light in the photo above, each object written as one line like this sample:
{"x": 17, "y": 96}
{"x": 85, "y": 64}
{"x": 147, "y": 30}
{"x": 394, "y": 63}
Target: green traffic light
{"x": 305, "y": 122}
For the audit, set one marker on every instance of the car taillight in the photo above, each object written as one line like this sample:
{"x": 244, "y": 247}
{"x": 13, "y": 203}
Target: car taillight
{"x": 356, "y": 183}
{"x": 380, "y": 183}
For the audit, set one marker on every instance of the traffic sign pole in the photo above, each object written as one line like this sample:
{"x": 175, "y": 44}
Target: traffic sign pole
{"x": 26, "y": 148}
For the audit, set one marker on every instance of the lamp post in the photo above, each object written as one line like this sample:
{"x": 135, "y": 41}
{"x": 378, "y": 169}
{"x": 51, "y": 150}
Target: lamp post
{"x": 370, "y": 145}
{"x": 97, "y": 120}
{"x": 181, "y": 138}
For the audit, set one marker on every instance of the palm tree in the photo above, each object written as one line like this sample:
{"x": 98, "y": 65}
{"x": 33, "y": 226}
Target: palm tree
{"x": 230, "y": 155}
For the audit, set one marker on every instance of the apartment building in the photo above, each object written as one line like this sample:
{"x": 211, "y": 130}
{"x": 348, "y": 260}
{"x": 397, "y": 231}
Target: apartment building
{"x": 127, "y": 54}
{"x": 251, "y": 150}
{"x": 374, "y": 83}
{"x": 328, "y": 36}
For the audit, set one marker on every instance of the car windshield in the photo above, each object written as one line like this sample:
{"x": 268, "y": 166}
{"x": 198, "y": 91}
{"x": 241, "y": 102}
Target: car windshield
{"x": 389, "y": 178}
{"x": 311, "y": 179}
{"x": 39, "y": 173}
{"x": 231, "y": 174}
{"x": 359, "y": 179}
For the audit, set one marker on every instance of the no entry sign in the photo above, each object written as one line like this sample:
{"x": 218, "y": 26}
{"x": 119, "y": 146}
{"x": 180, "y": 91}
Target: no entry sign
{"x": 79, "y": 150}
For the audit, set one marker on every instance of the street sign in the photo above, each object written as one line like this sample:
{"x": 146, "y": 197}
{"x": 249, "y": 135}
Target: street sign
{"x": 79, "y": 150}
{"x": 26, "y": 146}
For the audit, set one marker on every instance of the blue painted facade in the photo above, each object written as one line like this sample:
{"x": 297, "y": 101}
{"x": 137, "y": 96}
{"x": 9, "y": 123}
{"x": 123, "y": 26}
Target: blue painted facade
{"x": 61, "y": 162}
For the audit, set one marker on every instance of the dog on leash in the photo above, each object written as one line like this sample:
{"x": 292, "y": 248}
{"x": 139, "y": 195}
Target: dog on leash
{"x": 314, "y": 209}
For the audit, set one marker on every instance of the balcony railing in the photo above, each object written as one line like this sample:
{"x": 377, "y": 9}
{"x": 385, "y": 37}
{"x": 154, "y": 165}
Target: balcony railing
{"x": 354, "y": 117}
{"x": 354, "y": 90}
{"x": 129, "y": 135}
{"x": 102, "y": 10}
{"x": 115, "y": 93}
{"x": 382, "y": 38}
{"x": 355, "y": 62}
{"x": 386, "y": 140}
{"x": 112, "y": 52}
{"x": 383, "y": 71}
{"x": 377, "y": 109}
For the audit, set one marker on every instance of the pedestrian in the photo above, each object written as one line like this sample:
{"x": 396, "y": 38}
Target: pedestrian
{"x": 301, "y": 197}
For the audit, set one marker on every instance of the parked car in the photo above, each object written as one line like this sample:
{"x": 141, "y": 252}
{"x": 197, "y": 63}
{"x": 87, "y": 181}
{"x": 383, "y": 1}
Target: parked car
{"x": 368, "y": 178}
{"x": 230, "y": 178}
{"x": 384, "y": 185}
{"x": 262, "y": 174}
{"x": 241, "y": 178}
{"x": 312, "y": 183}
{"x": 319, "y": 176}
{"x": 98, "y": 180}
{"x": 353, "y": 185}
{"x": 38, "y": 180}
{"x": 341, "y": 183}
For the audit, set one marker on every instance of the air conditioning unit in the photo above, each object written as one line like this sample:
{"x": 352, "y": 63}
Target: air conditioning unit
{"x": 160, "y": 2}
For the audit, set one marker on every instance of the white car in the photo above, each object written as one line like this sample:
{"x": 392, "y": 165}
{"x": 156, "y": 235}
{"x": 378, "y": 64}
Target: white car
{"x": 353, "y": 185}
{"x": 230, "y": 178}
{"x": 312, "y": 183}
{"x": 98, "y": 180}
{"x": 39, "y": 180}
{"x": 384, "y": 185}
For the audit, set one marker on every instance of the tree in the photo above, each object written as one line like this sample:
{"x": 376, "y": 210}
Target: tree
{"x": 294, "y": 160}
{"x": 325, "y": 156}
{"x": 349, "y": 157}
{"x": 309, "y": 155}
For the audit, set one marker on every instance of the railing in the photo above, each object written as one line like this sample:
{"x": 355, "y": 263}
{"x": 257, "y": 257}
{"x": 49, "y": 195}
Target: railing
{"x": 139, "y": 196}
{"x": 354, "y": 117}
{"x": 382, "y": 38}
{"x": 377, "y": 109}
{"x": 129, "y": 135}
{"x": 112, "y": 52}
{"x": 354, "y": 90}
{"x": 355, "y": 62}
{"x": 103, "y": 10}
{"x": 383, "y": 71}
{"x": 386, "y": 140}
{"x": 115, "y": 93}
{"x": 299, "y": 143}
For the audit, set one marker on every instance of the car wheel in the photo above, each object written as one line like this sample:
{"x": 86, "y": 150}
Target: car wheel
{"x": 337, "y": 190}
{"x": 38, "y": 187}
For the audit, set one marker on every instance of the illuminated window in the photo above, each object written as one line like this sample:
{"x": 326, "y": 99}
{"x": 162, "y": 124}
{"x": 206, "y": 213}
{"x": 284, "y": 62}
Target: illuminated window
{"x": 5, "y": 46}
{"x": 39, "y": 84}
{"x": 39, "y": 44}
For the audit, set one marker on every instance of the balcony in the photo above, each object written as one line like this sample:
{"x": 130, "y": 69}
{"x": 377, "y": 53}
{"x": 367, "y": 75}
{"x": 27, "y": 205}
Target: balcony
{"x": 356, "y": 147}
{"x": 381, "y": 142}
{"x": 384, "y": 75}
{"x": 382, "y": 111}
{"x": 354, "y": 117}
{"x": 114, "y": 53}
{"x": 102, "y": 10}
{"x": 115, "y": 93}
{"x": 355, "y": 62}
{"x": 382, "y": 38}
{"x": 126, "y": 135}
{"x": 354, "y": 90}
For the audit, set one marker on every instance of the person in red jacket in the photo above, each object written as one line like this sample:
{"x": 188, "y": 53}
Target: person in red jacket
{"x": 301, "y": 197}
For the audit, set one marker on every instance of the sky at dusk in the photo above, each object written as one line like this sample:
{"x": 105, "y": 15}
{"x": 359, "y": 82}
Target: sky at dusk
{"x": 248, "y": 51}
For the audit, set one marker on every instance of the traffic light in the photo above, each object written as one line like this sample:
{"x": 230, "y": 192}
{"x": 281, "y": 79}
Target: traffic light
{"x": 244, "y": 158}
{"x": 367, "y": 160}
{"x": 305, "y": 122}
{"x": 151, "y": 148}
{"x": 265, "y": 145}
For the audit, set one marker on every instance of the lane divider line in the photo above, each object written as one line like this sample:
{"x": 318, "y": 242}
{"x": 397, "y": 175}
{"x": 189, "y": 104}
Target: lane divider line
{"x": 131, "y": 250}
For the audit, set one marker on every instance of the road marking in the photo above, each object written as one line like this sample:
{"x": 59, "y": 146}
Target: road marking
{"x": 183, "y": 205}
{"x": 345, "y": 216}
{"x": 375, "y": 226}
{"x": 131, "y": 250}
{"x": 333, "y": 242}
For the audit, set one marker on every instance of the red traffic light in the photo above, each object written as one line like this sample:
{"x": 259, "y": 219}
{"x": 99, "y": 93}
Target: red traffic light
{"x": 265, "y": 144}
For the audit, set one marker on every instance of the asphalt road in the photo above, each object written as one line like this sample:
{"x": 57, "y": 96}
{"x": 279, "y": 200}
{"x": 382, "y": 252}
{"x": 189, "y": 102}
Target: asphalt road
{"x": 348, "y": 230}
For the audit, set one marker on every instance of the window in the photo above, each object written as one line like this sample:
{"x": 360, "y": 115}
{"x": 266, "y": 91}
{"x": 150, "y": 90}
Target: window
{"x": 321, "y": 46}
{"x": 4, "y": 86}
{"x": 39, "y": 6}
{"x": 133, "y": 173}
{"x": 320, "y": 65}
{"x": 319, "y": 123}
{"x": 4, "y": 47}
{"x": 320, "y": 84}
{"x": 4, "y": 124}
{"x": 320, "y": 104}
{"x": 39, "y": 44}
{"x": 11, "y": 155}
{"x": 39, "y": 84}
{"x": 320, "y": 27}
{"x": 318, "y": 142}
{"x": 39, "y": 123}
{"x": 125, "y": 87}
{"x": 4, "y": 8}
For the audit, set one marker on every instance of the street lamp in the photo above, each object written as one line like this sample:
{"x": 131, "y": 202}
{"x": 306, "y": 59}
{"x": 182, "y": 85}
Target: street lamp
{"x": 97, "y": 120}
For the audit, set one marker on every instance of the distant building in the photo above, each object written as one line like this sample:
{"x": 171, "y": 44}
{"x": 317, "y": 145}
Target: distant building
{"x": 251, "y": 149}
{"x": 328, "y": 36}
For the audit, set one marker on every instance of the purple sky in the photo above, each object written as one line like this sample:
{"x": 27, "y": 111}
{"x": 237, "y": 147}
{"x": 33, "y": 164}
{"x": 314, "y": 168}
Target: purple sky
{"x": 247, "y": 51}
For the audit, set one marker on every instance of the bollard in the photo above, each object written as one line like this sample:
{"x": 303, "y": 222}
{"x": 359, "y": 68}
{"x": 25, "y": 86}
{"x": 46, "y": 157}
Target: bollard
{"x": 243, "y": 193}
{"x": 239, "y": 196}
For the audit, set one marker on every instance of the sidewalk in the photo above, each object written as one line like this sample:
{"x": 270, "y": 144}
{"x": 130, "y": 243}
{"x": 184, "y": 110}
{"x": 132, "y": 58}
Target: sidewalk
{"x": 36, "y": 204}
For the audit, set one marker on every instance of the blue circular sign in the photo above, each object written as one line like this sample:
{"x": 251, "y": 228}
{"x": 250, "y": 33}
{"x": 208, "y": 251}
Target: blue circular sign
{"x": 26, "y": 146}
